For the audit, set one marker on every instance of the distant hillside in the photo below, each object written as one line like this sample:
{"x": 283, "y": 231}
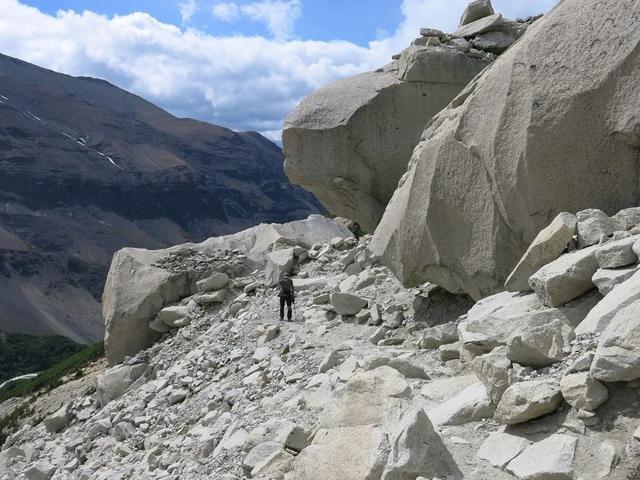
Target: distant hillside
{"x": 20, "y": 353}
{"x": 88, "y": 168}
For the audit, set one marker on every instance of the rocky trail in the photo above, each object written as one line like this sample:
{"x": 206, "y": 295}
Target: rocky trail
{"x": 370, "y": 381}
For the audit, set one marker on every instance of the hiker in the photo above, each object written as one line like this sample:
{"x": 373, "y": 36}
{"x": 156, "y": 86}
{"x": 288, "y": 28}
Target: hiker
{"x": 286, "y": 295}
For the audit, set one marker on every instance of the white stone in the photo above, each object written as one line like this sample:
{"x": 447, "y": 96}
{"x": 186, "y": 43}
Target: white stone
{"x": 476, "y": 10}
{"x": 58, "y": 420}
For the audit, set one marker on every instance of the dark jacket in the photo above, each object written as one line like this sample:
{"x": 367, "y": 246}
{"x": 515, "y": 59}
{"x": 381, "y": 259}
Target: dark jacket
{"x": 286, "y": 288}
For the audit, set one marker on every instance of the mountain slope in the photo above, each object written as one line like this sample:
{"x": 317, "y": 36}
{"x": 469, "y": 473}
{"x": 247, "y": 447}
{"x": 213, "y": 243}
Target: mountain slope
{"x": 88, "y": 168}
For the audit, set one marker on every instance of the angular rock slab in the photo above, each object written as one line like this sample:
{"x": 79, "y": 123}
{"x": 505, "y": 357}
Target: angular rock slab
{"x": 500, "y": 448}
{"x": 494, "y": 371}
{"x": 476, "y": 10}
{"x": 583, "y": 392}
{"x": 115, "y": 381}
{"x": 566, "y": 278}
{"x": 279, "y": 263}
{"x": 593, "y": 226}
{"x": 545, "y": 248}
{"x": 349, "y": 142}
{"x": 618, "y": 253}
{"x": 605, "y": 279}
{"x": 617, "y": 357}
{"x": 520, "y": 144}
{"x": 348, "y": 452}
{"x": 470, "y": 405}
{"x": 373, "y": 397}
{"x": 525, "y": 401}
{"x": 548, "y": 459}
{"x": 537, "y": 345}
{"x": 623, "y": 295}
{"x": 417, "y": 450}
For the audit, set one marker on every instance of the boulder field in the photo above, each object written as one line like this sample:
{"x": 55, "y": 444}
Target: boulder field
{"x": 371, "y": 380}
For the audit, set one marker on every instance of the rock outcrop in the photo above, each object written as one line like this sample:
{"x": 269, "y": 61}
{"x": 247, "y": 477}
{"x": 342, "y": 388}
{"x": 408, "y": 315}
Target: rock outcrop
{"x": 349, "y": 143}
{"x": 540, "y": 131}
{"x": 141, "y": 282}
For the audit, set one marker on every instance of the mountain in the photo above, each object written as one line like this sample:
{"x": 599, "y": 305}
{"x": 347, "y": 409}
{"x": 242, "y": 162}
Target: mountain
{"x": 88, "y": 168}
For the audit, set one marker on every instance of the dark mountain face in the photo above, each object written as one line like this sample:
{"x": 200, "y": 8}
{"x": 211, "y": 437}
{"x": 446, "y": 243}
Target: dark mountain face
{"x": 87, "y": 168}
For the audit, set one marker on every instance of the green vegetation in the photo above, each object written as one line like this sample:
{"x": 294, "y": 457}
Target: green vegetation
{"x": 45, "y": 381}
{"x": 52, "y": 377}
{"x": 21, "y": 353}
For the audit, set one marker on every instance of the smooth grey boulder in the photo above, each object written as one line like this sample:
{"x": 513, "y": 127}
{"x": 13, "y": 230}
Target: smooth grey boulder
{"x": 566, "y": 278}
{"x": 617, "y": 357}
{"x": 439, "y": 335}
{"x": 279, "y": 263}
{"x": 618, "y": 253}
{"x": 521, "y": 143}
{"x": 548, "y": 459}
{"x": 527, "y": 400}
{"x": 605, "y": 279}
{"x": 545, "y": 248}
{"x": 172, "y": 316}
{"x": 405, "y": 367}
{"x": 593, "y": 226}
{"x": 623, "y": 295}
{"x": 346, "y": 303}
{"x": 582, "y": 391}
{"x": 350, "y": 142}
{"x": 476, "y": 10}
{"x": 214, "y": 282}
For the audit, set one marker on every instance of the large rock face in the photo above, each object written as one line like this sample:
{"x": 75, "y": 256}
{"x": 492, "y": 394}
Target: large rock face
{"x": 350, "y": 142}
{"x": 550, "y": 126}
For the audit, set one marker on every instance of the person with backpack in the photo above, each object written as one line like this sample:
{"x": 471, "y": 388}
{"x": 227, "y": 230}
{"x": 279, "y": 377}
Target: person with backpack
{"x": 286, "y": 295}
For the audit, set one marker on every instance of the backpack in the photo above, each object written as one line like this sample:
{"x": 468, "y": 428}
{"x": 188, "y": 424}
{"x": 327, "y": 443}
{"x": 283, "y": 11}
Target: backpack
{"x": 286, "y": 288}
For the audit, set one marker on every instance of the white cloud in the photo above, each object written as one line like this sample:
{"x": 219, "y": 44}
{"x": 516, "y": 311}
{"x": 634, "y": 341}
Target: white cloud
{"x": 279, "y": 16}
{"x": 187, "y": 9}
{"x": 226, "y": 12}
{"x": 245, "y": 83}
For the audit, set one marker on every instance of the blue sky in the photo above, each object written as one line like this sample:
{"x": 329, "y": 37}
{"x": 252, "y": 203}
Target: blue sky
{"x": 243, "y": 64}
{"x": 358, "y": 21}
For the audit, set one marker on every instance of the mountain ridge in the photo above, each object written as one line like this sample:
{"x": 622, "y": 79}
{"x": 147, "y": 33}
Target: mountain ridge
{"x": 89, "y": 168}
